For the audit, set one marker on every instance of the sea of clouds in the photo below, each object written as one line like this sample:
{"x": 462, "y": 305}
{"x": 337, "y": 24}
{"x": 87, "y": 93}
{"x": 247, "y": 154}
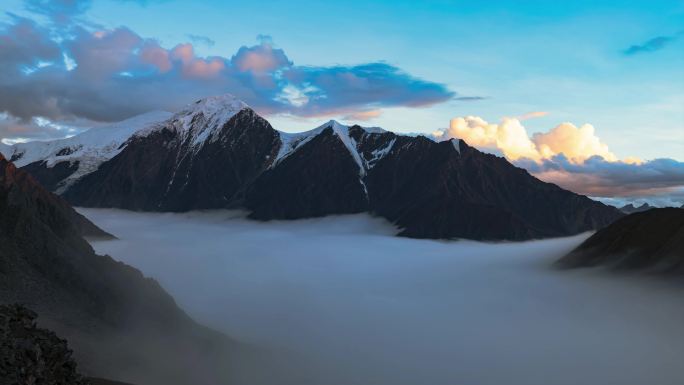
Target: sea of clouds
{"x": 341, "y": 301}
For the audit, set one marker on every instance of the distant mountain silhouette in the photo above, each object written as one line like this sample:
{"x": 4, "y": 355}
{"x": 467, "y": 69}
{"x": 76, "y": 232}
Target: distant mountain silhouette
{"x": 630, "y": 208}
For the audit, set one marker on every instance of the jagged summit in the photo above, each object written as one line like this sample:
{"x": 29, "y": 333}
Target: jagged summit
{"x": 216, "y": 109}
{"x": 201, "y": 120}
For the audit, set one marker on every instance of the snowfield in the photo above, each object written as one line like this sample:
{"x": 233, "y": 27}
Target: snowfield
{"x": 340, "y": 301}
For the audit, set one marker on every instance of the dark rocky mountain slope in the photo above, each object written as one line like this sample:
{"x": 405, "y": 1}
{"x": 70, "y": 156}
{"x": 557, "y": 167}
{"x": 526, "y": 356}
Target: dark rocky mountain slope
{"x": 449, "y": 189}
{"x": 652, "y": 239}
{"x": 120, "y": 324}
{"x": 20, "y": 189}
{"x": 320, "y": 178}
{"x": 218, "y": 153}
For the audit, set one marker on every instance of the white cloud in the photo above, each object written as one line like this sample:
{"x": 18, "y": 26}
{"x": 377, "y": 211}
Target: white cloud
{"x": 511, "y": 138}
{"x": 572, "y": 157}
{"x": 576, "y": 143}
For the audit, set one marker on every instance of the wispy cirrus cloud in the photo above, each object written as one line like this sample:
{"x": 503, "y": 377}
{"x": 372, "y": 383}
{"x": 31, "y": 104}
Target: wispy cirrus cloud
{"x": 199, "y": 39}
{"x": 363, "y": 115}
{"x": 469, "y": 98}
{"x": 70, "y": 70}
{"x": 60, "y": 11}
{"x": 533, "y": 115}
{"x": 655, "y": 44}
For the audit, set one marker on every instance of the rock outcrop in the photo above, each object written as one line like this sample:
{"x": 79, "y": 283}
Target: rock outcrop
{"x": 31, "y": 355}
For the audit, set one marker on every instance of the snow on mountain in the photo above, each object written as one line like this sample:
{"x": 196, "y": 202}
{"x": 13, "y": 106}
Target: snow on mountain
{"x": 6, "y": 150}
{"x": 90, "y": 148}
{"x": 380, "y": 153}
{"x": 342, "y": 132}
{"x": 292, "y": 141}
{"x": 375, "y": 130}
{"x": 457, "y": 144}
{"x": 201, "y": 120}
{"x": 197, "y": 123}
{"x": 218, "y": 153}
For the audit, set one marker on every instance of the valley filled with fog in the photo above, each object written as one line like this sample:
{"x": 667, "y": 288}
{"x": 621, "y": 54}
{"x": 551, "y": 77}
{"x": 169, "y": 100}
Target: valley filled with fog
{"x": 341, "y": 301}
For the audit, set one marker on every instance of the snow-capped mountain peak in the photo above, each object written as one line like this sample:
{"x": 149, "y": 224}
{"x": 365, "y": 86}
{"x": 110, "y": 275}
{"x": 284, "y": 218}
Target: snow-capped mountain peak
{"x": 219, "y": 107}
{"x": 98, "y": 141}
{"x": 89, "y": 149}
{"x": 199, "y": 121}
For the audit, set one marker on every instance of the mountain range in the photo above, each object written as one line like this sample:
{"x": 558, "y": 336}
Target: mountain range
{"x": 219, "y": 153}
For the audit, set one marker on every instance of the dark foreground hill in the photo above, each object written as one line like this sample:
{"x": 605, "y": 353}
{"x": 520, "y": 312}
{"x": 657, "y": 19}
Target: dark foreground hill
{"x": 120, "y": 324}
{"x": 219, "y": 153}
{"x": 652, "y": 239}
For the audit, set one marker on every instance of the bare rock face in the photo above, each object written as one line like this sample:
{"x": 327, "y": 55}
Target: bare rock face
{"x": 51, "y": 177}
{"x": 650, "y": 240}
{"x": 30, "y": 355}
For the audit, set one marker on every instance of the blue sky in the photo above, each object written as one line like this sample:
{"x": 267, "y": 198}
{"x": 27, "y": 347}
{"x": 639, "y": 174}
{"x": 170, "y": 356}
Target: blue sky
{"x": 613, "y": 64}
{"x": 562, "y": 57}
